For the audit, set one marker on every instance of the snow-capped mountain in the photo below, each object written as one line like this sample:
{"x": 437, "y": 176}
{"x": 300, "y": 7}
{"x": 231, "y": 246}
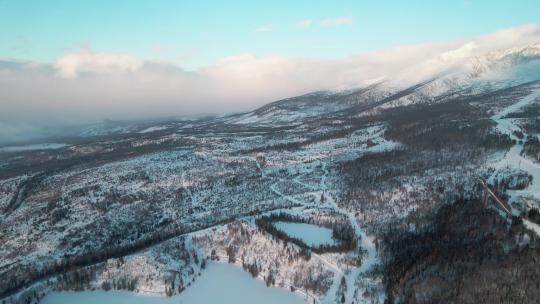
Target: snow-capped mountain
{"x": 458, "y": 72}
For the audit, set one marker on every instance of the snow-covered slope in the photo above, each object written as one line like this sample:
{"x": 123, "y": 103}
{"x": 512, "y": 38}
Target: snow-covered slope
{"x": 294, "y": 110}
{"x": 464, "y": 70}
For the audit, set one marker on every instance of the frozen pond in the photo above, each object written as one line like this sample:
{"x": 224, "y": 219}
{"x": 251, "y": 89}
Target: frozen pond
{"x": 50, "y": 146}
{"x": 219, "y": 283}
{"x": 312, "y": 235}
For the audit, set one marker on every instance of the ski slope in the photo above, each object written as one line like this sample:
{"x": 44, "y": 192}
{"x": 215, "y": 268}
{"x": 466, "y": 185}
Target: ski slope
{"x": 513, "y": 158}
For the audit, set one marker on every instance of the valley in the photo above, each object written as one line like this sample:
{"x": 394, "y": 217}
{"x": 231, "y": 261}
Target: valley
{"x": 368, "y": 195}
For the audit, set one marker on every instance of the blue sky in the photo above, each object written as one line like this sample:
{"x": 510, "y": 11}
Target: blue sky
{"x": 192, "y": 34}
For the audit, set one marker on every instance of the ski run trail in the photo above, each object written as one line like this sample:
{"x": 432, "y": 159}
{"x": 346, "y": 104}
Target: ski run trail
{"x": 513, "y": 158}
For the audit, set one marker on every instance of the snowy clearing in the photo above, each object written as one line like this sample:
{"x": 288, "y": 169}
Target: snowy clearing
{"x": 153, "y": 129}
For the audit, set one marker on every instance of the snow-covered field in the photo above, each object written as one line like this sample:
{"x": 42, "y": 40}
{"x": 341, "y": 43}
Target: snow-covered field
{"x": 153, "y": 129}
{"x": 219, "y": 283}
{"x": 312, "y": 235}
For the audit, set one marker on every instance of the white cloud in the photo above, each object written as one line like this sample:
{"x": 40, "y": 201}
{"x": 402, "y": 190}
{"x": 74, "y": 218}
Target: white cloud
{"x": 70, "y": 65}
{"x": 305, "y": 23}
{"x": 337, "y": 21}
{"x": 264, "y": 29}
{"x": 94, "y": 86}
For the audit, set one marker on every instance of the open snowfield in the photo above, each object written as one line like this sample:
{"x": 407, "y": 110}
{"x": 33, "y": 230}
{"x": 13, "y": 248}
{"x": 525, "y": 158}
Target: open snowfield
{"x": 312, "y": 235}
{"x": 219, "y": 283}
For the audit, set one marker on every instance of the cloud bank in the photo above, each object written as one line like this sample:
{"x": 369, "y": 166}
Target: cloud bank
{"x": 70, "y": 65}
{"x": 89, "y": 86}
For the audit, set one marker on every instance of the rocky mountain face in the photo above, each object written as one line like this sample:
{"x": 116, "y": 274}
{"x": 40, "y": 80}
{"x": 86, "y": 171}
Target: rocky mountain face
{"x": 393, "y": 166}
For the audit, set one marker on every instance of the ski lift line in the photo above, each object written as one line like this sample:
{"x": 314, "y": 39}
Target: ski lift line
{"x": 488, "y": 190}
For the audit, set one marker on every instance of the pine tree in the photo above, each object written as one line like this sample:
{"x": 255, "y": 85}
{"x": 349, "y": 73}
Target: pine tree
{"x": 203, "y": 263}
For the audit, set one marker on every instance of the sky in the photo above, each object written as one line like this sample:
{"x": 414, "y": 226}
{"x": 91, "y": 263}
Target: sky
{"x": 194, "y": 34}
{"x": 83, "y": 61}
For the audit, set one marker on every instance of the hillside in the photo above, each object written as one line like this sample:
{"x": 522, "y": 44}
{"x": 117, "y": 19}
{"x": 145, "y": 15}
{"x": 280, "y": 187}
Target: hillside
{"x": 391, "y": 171}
